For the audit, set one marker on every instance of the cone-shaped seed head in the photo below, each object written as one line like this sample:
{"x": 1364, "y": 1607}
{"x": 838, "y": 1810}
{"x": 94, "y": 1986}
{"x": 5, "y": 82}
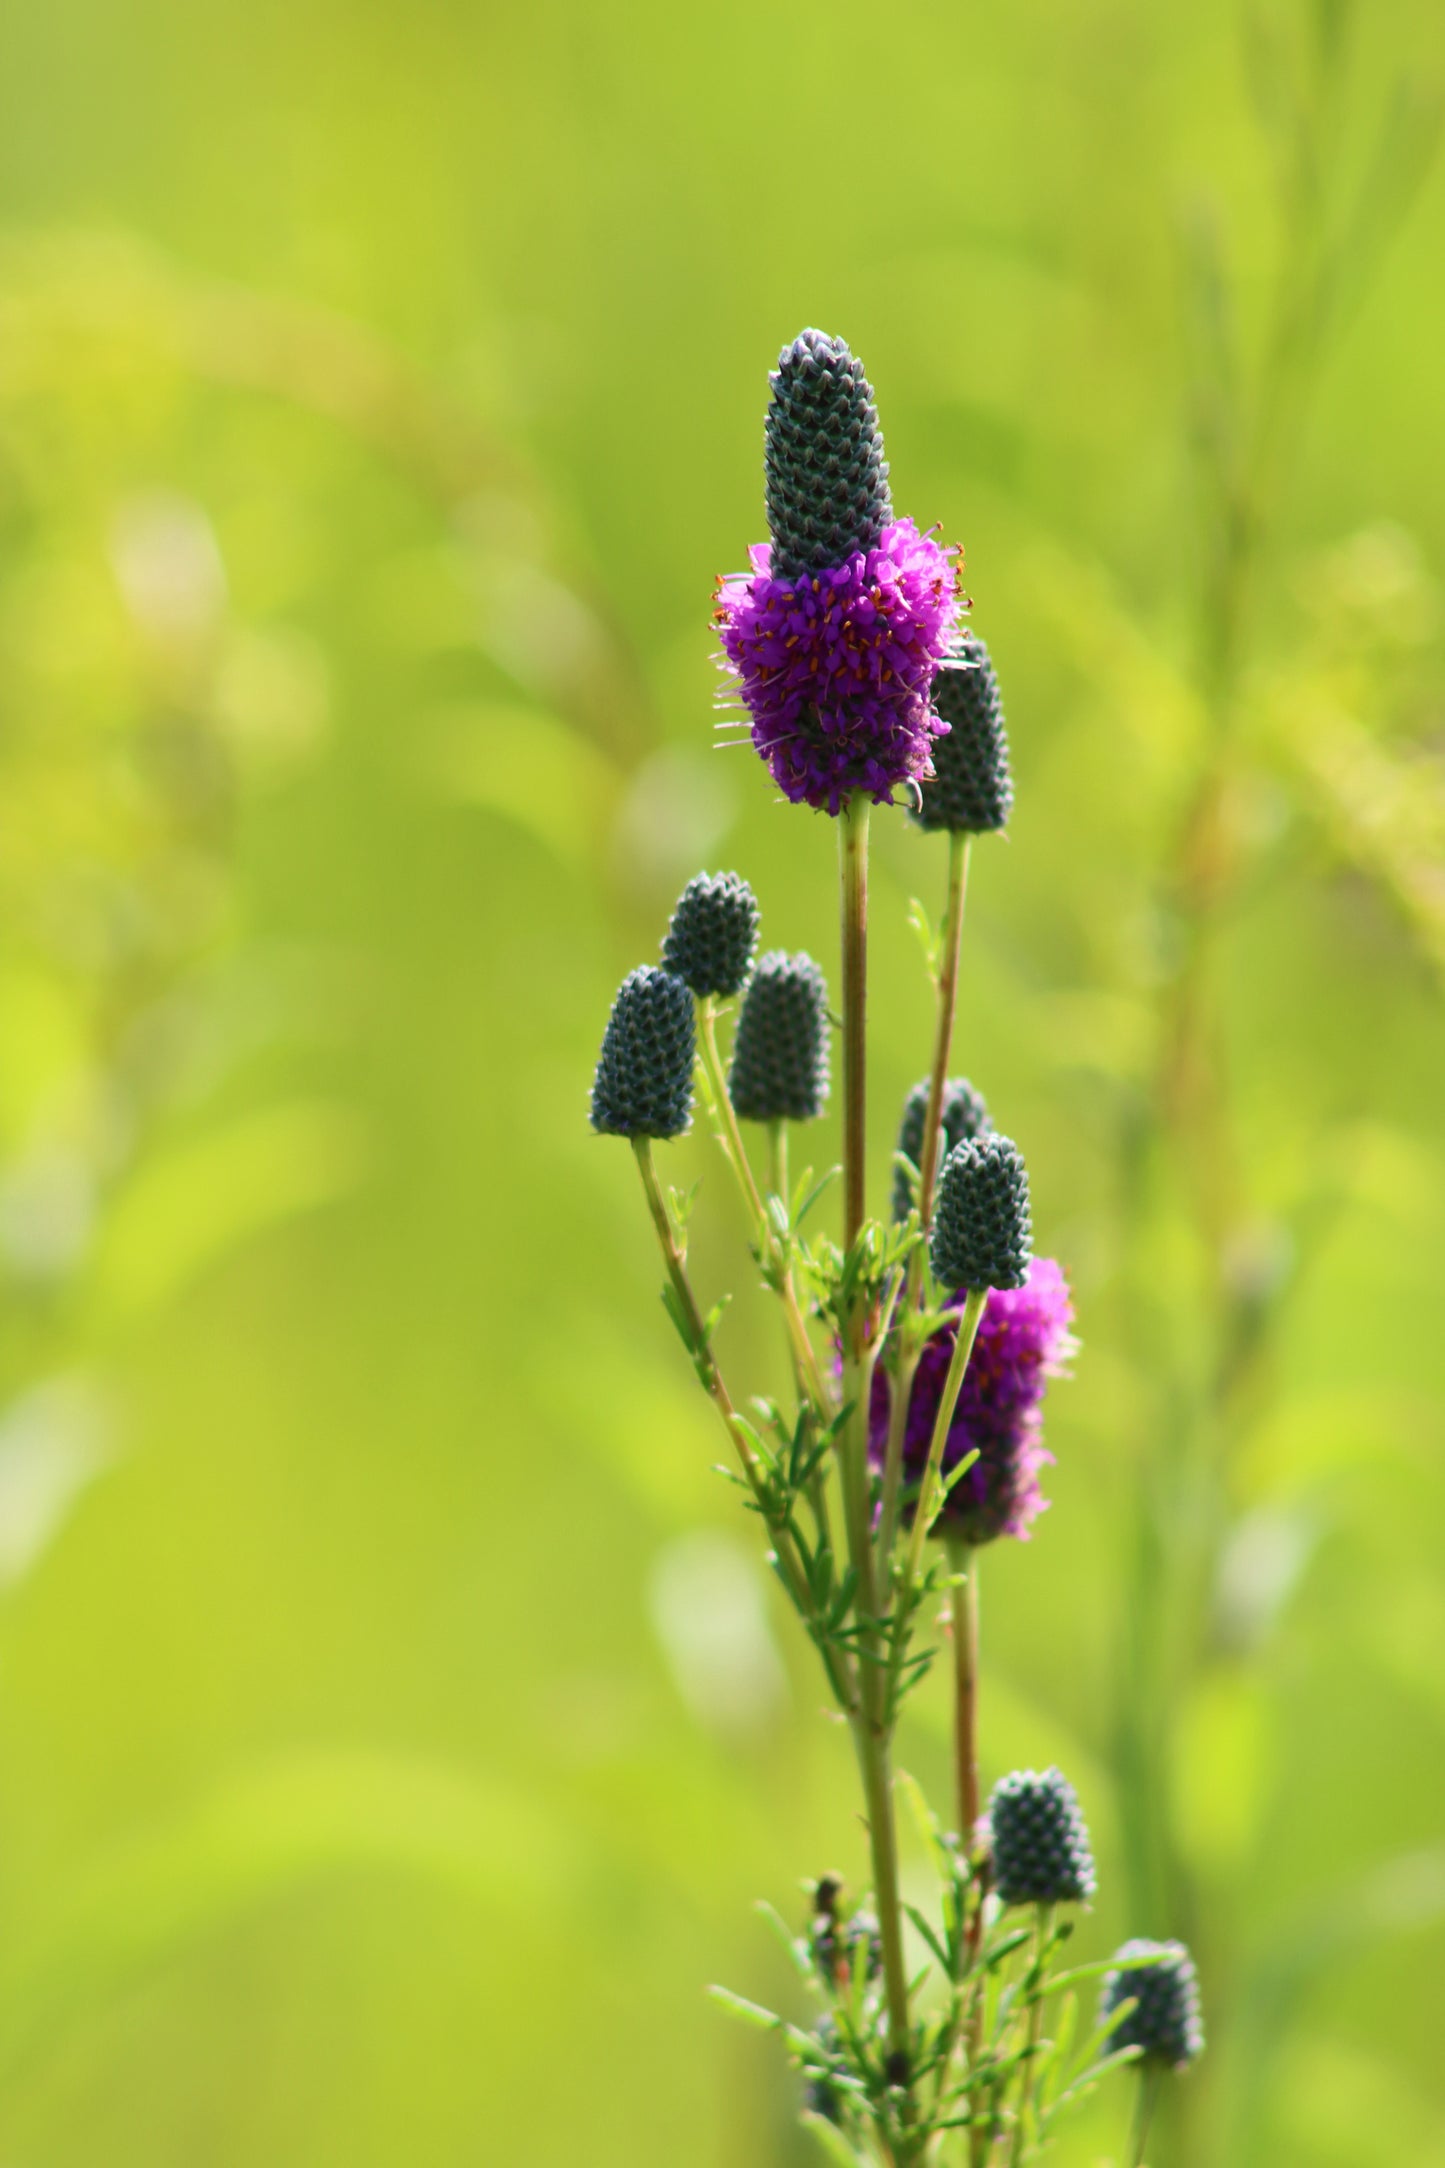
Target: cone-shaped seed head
{"x": 971, "y": 788}
{"x": 827, "y": 479}
{"x": 964, "y": 1115}
{"x": 1041, "y": 1852}
{"x": 643, "y": 1085}
{"x": 981, "y": 1226}
{"x": 780, "y": 1056}
{"x": 1166, "y": 2024}
{"x": 713, "y": 934}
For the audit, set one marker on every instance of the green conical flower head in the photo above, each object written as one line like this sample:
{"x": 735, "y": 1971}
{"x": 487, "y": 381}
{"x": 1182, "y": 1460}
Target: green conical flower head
{"x": 964, "y": 1115}
{"x": 643, "y": 1085}
{"x": 713, "y": 934}
{"x": 971, "y": 789}
{"x": 780, "y": 1056}
{"x": 1041, "y": 1852}
{"x": 981, "y": 1226}
{"x": 827, "y": 479}
{"x": 1166, "y": 2025}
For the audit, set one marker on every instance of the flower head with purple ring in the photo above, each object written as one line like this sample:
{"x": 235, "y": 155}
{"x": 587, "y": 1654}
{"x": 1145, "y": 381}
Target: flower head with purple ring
{"x": 1023, "y": 1340}
{"x": 835, "y": 668}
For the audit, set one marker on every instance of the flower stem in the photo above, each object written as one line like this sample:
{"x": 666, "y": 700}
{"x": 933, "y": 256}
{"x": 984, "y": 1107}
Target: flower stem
{"x": 902, "y": 1392}
{"x": 871, "y": 1732}
{"x": 947, "y": 985}
{"x": 929, "y": 1488}
{"x": 711, "y": 1379}
{"x": 1043, "y": 1929}
{"x": 963, "y": 1563}
{"x": 958, "y": 851}
{"x": 875, "y": 1767}
{"x": 853, "y": 850}
{"x": 805, "y": 1359}
{"x": 778, "y": 1159}
{"x": 1144, "y": 2100}
{"x": 930, "y": 1491}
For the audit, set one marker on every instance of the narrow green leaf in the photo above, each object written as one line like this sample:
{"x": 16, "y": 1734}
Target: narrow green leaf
{"x": 751, "y": 2013}
{"x": 831, "y": 2139}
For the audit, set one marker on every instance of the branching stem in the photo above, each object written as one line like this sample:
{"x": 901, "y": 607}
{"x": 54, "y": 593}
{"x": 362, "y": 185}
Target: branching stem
{"x": 929, "y": 1489}
{"x": 1023, "y": 2128}
{"x": 963, "y": 1563}
{"x": 712, "y": 1382}
{"x": 1144, "y": 2100}
{"x": 804, "y": 1355}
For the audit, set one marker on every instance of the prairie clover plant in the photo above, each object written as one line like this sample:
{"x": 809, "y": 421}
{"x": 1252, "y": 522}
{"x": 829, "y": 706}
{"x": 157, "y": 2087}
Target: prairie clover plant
{"x": 920, "y": 1345}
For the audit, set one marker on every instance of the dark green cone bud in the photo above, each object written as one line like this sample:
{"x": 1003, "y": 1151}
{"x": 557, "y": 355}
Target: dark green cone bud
{"x": 971, "y": 789}
{"x": 1166, "y": 2025}
{"x": 981, "y": 1226}
{"x": 1041, "y": 1852}
{"x": 780, "y": 1056}
{"x": 964, "y": 1116}
{"x": 827, "y": 479}
{"x": 713, "y": 934}
{"x": 643, "y": 1085}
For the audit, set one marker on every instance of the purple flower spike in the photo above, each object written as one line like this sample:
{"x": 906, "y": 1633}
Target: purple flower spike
{"x": 1023, "y": 1339}
{"x": 835, "y": 667}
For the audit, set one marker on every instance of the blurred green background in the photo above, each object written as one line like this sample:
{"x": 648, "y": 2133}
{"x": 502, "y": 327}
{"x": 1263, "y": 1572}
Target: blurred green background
{"x": 395, "y": 1720}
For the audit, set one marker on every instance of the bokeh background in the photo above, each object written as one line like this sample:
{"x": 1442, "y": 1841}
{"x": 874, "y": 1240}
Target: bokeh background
{"x": 396, "y": 1722}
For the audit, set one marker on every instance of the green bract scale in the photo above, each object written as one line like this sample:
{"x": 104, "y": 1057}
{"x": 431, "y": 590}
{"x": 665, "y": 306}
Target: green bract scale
{"x": 643, "y": 1085}
{"x": 981, "y": 1226}
{"x": 1041, "y": 1852}
{"x": 1166, "y": 2025}
{"x": 964, "y": 1115}
{"x": 780, "y": 1056}
{"x": 713, "y": 934}
{"x": 971, "y": 790}
{"x": 826, "y": 477}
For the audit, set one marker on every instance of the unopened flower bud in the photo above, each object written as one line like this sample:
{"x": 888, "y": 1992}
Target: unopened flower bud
{"x": 981, "y": 1225}
{"x": 713, "y": 934}
{"x": 964, "y": 1115}
{"x": 643, "y": 1085}
{"x": 1166, "y": 2023}
{"x": 971, "y": 788}
{"x": 1041, "y": 1852}
{"x": 780, "y": 1056}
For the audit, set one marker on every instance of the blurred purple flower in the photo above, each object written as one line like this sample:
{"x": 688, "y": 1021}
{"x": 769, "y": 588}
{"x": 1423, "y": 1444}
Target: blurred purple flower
{"x": 835, "y": 667}
{"x": 1023, "y": 1339}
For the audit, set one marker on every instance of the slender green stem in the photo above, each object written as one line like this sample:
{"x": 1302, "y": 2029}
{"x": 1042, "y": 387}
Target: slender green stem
{"x": 853, "y": 848}
{"x": 1023, "y": 2127}
{"x": 711, "y": 1379}
{"x": 1144, "y": 2100}
{"x": 900, "y": 1395}
{"x": 778, "y": 1160}
{"x": 726, "y": 1113}
{"x": 958, "y": 853}
{"x": 963, "y": 1563}
{"x": 930, "y": 1494}
{"x": 875, "y": 1767}
{"x": 947, "y": 988}
{"x": 872, "y": 1730}
{"x": 806, "y": 1367}
{"x": 807, "y": 1397}
{"x": 930, "y": 1488}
